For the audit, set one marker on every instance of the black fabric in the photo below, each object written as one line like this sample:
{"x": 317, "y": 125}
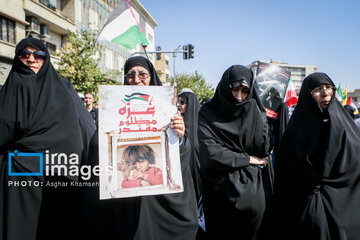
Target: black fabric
{"x": 145, "y": 63}
{"x": 205, "y": 100}
{"x": 229, "y": 132}
{"x": 317, "y": 180}
{"x": 278, "y": 126}
{"x": 191, "y": 124}
{"x": 350, "y": 110}
{"x": 169, "y": 216}
{"x": 107, "y": 219}
{"x": 39, "y": 112}
{"x": 95, "y": 115}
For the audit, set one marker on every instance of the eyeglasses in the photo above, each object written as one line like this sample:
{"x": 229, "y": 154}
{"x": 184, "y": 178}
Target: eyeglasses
{"x": 320, "y": 90}
{"x": 182, "y": 102}
{"x": 38, "y": 55}
{"x": 141, "y": 75}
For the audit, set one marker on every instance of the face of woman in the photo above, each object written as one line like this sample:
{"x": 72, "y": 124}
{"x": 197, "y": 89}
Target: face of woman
{"x": 182, "y": 106}
{"x": 138, "y": 76}
{"x": 323, "y": 94}
{"x": 240, "y": 93}
{"x": 32, "y": 58}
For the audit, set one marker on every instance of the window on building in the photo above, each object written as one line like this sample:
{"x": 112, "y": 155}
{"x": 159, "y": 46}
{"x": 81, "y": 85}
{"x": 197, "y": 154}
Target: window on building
{"x": 51, "y": 48}
{"x": 167, "y": 77}
{"x": 45, "y": 2}
{"x": 7, "y": 30}
{"x": 52, "y": 4}
{"x": 167, "y": 62}
{"x": 142, "y": 24}
{"x": 150, "y": 38}
{"x": 115, "y": 62}
{"x": 85, "y": 14}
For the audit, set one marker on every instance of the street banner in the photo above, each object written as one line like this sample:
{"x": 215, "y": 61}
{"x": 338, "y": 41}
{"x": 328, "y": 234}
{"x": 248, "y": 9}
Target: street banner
{"x": 270, "y": 83}
{"x": 137, "y": 148}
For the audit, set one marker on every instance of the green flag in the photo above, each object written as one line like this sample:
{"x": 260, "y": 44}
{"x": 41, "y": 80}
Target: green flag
{"x": 340, "y": 93}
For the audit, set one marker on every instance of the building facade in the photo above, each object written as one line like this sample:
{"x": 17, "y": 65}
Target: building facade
{"x": 50, "y": 21}
{"x": 162, "y": 66}
{"x": 298, "y": 72}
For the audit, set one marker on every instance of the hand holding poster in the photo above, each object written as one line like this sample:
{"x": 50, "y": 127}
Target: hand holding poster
{"x": 136, "y": 143}
{"x": 270, "y": 83}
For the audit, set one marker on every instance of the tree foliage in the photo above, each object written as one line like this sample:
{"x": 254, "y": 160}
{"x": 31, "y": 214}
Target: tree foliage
{"x": 195, "y": 82}
{"x": 79, "y": 60}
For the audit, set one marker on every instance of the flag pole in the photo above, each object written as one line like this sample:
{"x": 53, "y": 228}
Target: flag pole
{"x": 145, "y": 51}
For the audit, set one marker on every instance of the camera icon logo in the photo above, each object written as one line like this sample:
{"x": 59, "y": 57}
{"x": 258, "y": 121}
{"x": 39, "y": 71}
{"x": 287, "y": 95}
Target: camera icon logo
{"x": 19, "y": 159}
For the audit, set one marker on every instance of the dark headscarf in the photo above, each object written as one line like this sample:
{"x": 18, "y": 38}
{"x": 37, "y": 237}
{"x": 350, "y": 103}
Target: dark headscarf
{"x": 236, "y": 119}
{"x": 317, "y": 173}
{"x": 145, "y": 63}
{"x": 191, "y": 123}
{"x": 38, "y": 112}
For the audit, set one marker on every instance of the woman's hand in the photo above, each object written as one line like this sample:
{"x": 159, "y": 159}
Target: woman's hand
{"x": 259, "y": 161}
{"x": 177, "y": 123}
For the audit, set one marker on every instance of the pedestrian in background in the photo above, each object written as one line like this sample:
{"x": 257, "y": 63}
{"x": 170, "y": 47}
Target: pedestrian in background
{"x": 89, "y": 103}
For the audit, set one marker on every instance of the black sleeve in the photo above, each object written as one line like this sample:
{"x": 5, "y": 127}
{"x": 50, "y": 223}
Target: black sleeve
{"x": 214, "y": 155}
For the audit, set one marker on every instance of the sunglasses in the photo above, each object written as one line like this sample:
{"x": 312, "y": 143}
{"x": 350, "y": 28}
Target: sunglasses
{"x": 38, "y": 55}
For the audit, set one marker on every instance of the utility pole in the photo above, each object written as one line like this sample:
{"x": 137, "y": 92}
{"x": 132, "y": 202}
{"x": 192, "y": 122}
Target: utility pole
{"x": 174, "y": 58}
{"x": 187, "y": 51}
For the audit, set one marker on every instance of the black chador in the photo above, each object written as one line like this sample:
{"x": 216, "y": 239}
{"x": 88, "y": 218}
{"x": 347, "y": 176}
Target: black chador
{"x": 39, "y": 113}
{"x": 229, "y": 133}
{"x": 317, "y": 173}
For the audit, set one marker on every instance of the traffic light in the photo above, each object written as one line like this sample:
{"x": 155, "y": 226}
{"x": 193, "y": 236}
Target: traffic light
{"x": 185, "y": 49}
{"x": 158, "y": 55}
{"x": 190, "y": 51}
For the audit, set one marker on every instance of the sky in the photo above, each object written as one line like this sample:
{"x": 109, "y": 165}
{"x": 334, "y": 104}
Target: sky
{"x": 324, "y": 33}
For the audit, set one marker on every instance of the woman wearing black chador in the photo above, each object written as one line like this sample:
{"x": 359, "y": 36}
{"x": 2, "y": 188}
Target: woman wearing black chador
{"x": 233, "y": 147}
{"x": 39, "y": 113}
{"x": 317, "y": 174}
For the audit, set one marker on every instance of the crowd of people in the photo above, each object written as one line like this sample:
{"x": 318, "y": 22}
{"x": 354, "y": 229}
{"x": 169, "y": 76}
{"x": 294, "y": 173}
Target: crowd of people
{"x": 245, "y": 176}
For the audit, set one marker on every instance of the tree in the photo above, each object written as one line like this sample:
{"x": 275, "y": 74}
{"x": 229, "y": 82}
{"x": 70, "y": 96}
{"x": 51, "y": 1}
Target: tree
{"x": 195, "y": 82}
{"x": 79, "y": 60}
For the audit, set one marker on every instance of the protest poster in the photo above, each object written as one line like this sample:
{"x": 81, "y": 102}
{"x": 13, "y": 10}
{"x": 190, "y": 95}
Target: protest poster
{"x": 138, "y": 149}
{"x": 270, "y": 83}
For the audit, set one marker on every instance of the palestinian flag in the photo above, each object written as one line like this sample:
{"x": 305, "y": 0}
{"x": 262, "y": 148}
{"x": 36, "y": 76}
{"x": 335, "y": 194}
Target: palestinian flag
{"x": 339, "y": 94}
{"x": 291, "y": 96}
{"x": 123, "y": 28}
{"x": 138, "y": 96}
